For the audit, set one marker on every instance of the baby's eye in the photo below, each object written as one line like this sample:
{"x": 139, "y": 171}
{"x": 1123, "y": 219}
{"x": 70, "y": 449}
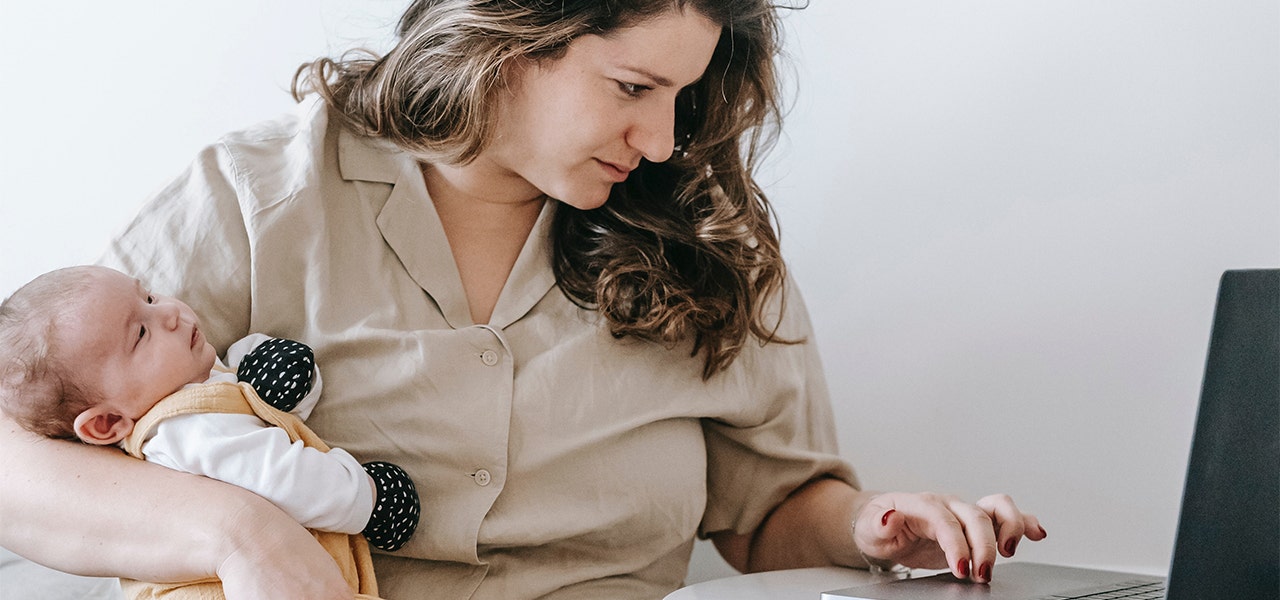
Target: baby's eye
{"x": 142, "y": 331}
{"x": 151, "y": 299}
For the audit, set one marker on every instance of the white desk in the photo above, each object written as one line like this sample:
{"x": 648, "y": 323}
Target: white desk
{"x": 793, "y": 584}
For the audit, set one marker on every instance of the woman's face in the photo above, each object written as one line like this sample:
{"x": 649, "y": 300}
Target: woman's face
{"x": 573, "y": 127}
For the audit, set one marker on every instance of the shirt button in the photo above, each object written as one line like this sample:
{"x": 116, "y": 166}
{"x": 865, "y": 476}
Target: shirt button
{"x": 482, "y": 478}
{"x": 489, "y": 357}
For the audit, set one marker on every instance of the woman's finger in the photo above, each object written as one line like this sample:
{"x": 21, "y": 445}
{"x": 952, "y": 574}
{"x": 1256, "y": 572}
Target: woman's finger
{"x": 979, "y": 532}
{"x": 1010, "y": 525}
{"x": 877, "y": 533}
{"x": 930, "y": 517}
{"x": 1032, "y": 528}
{"x": 882, "y": 532}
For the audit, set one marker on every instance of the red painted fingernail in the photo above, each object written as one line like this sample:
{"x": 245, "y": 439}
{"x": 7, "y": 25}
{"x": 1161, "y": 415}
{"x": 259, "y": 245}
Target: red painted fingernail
{"x": 1010, "y": 546}
{"x": 885, "y": 519}
{"x": 984, "y": 572}
{"x": 962, "y": 567}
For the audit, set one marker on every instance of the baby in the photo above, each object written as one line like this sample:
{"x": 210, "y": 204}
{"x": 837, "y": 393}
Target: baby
{"x": 88, "y": 353}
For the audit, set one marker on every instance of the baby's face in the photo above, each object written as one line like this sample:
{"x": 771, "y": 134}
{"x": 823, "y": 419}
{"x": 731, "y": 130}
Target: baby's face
{"x": 135, "y": 347}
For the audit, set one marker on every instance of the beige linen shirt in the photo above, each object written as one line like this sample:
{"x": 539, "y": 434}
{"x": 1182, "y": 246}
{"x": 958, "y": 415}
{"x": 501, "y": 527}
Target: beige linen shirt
{"x": 552, "y": 459}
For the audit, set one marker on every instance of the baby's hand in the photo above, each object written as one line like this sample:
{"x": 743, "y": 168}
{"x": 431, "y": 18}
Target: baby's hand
{"x": 395, "y": 507}
{"x": 280, "y": 371}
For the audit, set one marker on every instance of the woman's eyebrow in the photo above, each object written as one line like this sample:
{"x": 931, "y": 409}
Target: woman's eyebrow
{"x": 654, "y": 77}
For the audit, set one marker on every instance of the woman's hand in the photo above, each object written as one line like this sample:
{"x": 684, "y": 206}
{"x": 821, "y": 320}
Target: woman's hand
{"x": 933, "y": 531}
{"x": 810, "y": 528}
{"x": 287, "y": 578}
{"x": 287, "y": 564}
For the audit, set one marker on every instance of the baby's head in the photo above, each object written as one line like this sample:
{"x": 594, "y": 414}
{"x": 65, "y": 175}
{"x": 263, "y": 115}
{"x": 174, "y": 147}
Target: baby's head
{"x": 86, "y": 351}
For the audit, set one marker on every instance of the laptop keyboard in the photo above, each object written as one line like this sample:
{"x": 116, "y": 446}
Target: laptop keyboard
{"x": 1129, "y": 590}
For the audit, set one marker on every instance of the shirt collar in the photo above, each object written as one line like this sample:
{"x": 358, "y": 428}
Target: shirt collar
{"x": 363, "y": 158}
{"x": 412, "y": 229}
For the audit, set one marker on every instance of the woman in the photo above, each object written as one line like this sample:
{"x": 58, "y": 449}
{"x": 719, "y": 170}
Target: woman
{"x": 529, "y": 254}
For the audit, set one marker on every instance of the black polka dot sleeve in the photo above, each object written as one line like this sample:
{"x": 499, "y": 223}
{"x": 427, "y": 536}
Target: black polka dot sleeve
{"x": 395, "y": 509}
{"x": 280, "y": 370}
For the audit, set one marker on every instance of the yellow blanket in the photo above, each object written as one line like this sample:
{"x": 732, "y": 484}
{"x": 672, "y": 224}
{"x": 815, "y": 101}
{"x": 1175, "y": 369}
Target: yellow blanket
{"x": 351, "y": 552}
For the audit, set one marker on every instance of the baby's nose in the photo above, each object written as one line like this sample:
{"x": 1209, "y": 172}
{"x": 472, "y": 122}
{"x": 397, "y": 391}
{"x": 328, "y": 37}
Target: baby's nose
{"x": 172, "y": 315}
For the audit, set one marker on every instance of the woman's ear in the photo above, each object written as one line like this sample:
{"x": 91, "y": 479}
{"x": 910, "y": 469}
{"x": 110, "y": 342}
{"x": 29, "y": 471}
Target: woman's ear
{"x": 100, "y": 425}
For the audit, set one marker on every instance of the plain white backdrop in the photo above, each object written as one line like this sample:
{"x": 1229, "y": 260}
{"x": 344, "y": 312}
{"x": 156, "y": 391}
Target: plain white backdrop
{"x": 1008, "y": 216}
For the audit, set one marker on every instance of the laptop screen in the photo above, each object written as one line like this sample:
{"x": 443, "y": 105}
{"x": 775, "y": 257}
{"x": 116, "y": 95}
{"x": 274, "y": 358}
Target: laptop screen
{"x": 1228, "y": 542}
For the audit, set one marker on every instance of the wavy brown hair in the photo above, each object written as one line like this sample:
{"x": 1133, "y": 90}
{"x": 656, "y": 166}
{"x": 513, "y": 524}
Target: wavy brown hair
{"x": 683, "y": 251}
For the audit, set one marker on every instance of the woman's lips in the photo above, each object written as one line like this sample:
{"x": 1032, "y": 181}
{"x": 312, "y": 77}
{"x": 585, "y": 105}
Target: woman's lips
{"x": 614, "y": 171}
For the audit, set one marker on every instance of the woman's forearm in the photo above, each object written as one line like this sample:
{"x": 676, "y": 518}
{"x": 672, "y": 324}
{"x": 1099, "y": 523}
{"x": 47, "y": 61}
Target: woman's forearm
{"x": 811, "y": 528}
{"x": 95, "y": 511}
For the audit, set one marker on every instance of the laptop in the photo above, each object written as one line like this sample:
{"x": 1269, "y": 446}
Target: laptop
{"x": 1228, "y": 539}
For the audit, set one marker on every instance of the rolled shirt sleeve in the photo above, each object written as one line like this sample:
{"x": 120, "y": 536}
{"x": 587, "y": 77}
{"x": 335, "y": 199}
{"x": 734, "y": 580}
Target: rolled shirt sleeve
{"x": 780, "y": 436}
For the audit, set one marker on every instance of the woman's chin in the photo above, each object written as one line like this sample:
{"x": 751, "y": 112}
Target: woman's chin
{"x": 586, "y": 200}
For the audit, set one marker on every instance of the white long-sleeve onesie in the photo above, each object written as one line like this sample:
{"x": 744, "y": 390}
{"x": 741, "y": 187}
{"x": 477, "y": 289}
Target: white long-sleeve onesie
{"x": 326, "y": 491}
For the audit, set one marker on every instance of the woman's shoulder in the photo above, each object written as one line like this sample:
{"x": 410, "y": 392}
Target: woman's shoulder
{"x": 269, "y": 146}
{"x": 300, "y": 146}
{"x": 309, "y": 116}
{"x": 280, "y": 157}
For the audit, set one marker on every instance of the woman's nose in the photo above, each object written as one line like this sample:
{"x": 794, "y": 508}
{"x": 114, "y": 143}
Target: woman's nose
{"x": 654, "y": 134}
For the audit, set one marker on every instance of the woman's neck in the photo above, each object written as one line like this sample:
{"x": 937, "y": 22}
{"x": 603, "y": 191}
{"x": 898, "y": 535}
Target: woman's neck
{"x": 479, "y": 182}
{"x": 486, "y": 221}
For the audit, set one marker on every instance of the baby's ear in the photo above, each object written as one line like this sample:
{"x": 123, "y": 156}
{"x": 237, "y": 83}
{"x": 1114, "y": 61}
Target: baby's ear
{"x": 102, "y": 426}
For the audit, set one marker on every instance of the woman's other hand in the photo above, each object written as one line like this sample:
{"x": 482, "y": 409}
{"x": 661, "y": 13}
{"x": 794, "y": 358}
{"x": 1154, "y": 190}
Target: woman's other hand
{"x": 288, "y": 564}
{"x": 933, "y": 531}
{"x": 811, "y": 528}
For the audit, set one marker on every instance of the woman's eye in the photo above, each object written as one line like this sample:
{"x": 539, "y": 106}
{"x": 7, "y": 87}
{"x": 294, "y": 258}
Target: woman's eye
{"x": 632, "y": 89}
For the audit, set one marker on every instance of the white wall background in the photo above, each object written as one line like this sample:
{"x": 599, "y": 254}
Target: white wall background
{"x": 1008, "y": 216}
